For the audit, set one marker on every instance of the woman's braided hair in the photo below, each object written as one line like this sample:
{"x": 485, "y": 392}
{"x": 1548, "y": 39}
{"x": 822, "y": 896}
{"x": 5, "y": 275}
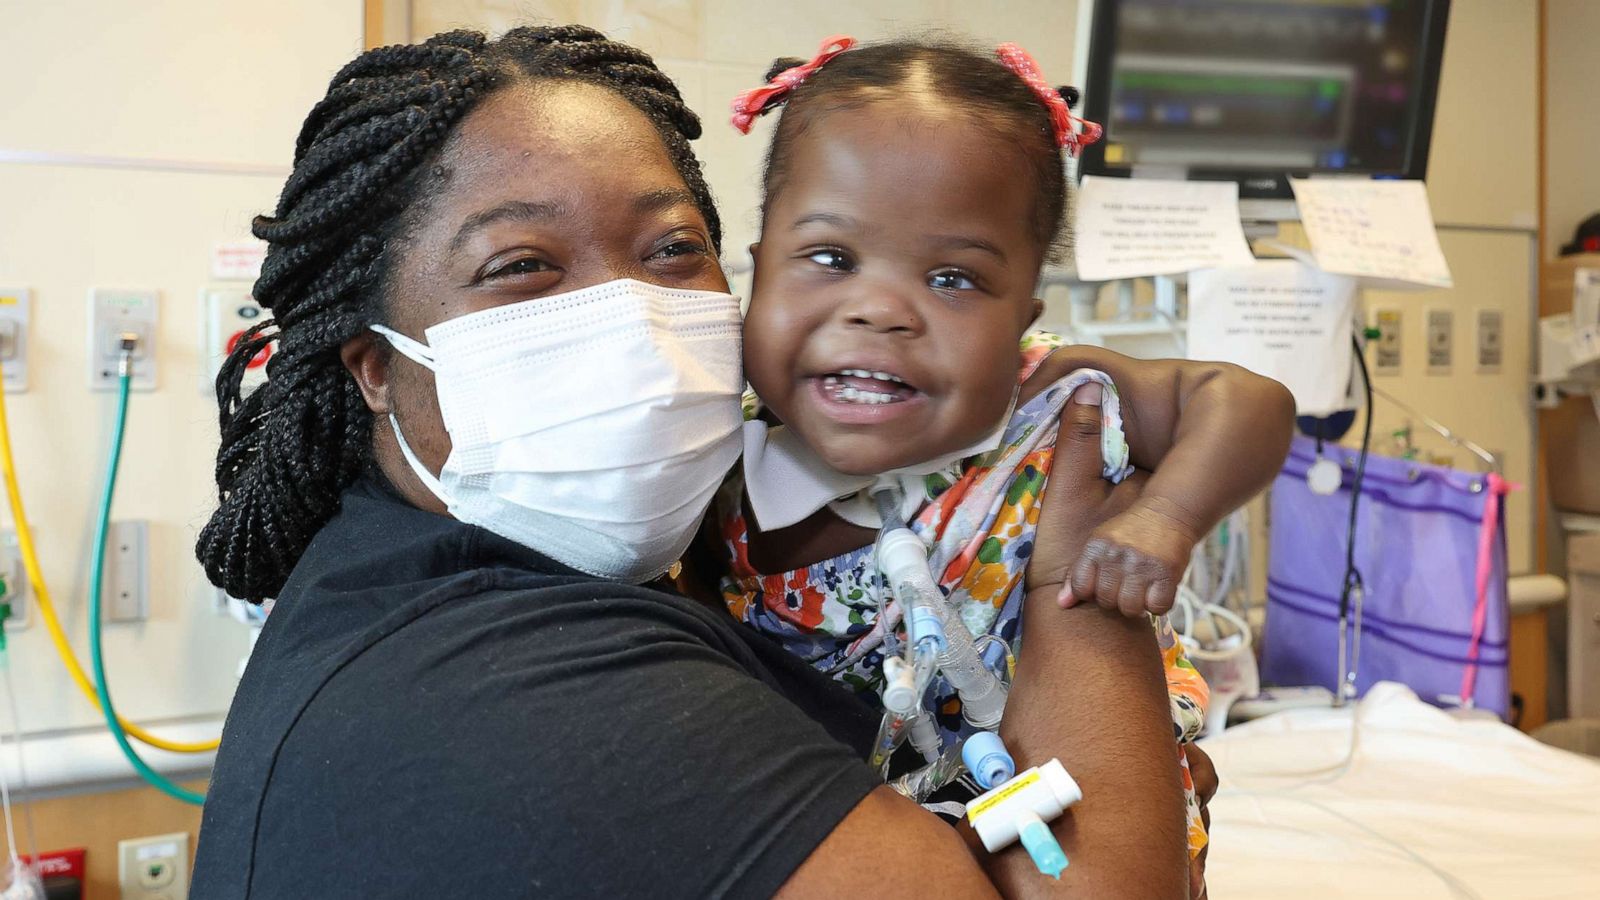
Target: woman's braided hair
{"x": 291, "y": 447}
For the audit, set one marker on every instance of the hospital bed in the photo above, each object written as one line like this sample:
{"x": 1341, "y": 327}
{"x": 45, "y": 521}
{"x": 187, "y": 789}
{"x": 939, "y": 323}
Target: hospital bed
{"x": 1424, "y": 804}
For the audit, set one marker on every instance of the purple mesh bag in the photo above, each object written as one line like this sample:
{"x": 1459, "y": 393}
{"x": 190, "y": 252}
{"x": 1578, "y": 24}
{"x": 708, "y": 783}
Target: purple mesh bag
{"x": 1430, "y": 547}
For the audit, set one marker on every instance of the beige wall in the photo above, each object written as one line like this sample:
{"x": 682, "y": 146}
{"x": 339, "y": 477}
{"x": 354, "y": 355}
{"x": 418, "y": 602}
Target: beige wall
{"x": 198, "y": 80}
{"x": 1482, "y": 186}
{"x": 1483, "y": 167}
{"x": 1572, "y": 117}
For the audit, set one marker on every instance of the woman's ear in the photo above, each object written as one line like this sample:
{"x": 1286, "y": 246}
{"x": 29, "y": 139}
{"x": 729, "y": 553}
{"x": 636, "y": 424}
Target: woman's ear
{"x": 366, "y": 359}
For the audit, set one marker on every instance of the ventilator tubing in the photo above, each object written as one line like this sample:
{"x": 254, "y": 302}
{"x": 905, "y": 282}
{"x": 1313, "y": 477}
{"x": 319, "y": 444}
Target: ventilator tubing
{"x": 903, "y": 558}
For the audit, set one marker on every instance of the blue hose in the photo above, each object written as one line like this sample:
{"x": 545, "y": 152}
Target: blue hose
{"x": 97, "y": 568}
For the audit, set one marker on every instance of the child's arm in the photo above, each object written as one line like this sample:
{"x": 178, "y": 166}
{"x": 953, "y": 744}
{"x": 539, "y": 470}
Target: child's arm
{"x": 1212, "y": 434}
{"x": 1090, "y": 685}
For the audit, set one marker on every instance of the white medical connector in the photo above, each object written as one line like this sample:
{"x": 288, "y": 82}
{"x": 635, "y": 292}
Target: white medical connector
{"x": 1039, "y": 794}
{"x": 900, "y": 695}
{"x": 925, "y": 736}
{"x": 903, "y": 559}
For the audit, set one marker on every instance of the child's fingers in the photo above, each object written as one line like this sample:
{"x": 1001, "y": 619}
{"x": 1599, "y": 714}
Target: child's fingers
{"x": 1108, "y": 587}
{"x": 1084, "y": 577}
{"x": 1067, "y": 599}
{"x": 1130, "y": 600}
{"x": 1160, "y": 596}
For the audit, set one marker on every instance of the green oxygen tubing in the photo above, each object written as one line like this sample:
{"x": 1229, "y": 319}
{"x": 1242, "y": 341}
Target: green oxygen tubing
{"x": 97, "y": 569}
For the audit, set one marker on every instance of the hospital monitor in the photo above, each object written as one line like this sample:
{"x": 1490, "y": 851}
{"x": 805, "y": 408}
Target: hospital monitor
{"x": 1255, "y": 91}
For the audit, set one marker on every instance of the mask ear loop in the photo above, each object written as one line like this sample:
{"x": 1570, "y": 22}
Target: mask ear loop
{"x": 414, "y": 350}
{"x": 428, "y": 479}
{"x": 422, "y": 355}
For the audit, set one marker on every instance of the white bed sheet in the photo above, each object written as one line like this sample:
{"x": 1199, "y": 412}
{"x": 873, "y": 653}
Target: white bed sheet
{"x": 1496, "y": 812}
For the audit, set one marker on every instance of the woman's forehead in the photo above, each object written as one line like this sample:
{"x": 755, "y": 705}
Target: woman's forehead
{"x": 553, "y": 133}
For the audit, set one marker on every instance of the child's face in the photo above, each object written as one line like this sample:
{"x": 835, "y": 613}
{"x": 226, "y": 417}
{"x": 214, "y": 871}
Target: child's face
{"x": 900, "y": 243}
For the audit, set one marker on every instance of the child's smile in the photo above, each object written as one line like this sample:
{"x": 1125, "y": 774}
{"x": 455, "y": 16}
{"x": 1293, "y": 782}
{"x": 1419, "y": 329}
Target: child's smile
{"x": 894, "y": 278}
{"x": 861, "y": 396}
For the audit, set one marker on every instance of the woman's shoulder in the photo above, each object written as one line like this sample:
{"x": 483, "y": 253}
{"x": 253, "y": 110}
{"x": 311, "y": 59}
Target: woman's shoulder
{"x": 543, "y": 620}
{"x": 525, "y": 719}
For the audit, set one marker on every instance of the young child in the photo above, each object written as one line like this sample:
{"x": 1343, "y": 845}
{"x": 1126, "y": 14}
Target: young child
{"x": 913, "y": 193}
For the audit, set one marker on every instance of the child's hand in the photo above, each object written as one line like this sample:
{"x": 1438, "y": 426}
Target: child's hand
{"x": 1133, "y": 562}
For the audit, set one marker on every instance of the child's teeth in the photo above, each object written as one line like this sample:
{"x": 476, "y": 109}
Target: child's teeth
{"x": 855, "y": 395}
{"x": 877, "y": 376}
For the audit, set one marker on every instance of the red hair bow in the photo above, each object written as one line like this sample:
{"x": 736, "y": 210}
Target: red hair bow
{"x": 1027, "y": 68}
{"x": 752, "y": 103}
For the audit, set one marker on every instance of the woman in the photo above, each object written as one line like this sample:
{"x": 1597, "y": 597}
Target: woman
{"x": 443, "y": 703}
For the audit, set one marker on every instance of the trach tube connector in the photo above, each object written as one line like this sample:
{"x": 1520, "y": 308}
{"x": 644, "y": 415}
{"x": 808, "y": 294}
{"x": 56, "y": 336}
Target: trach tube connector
{"x": 1021, "y": 807}
{"x": 985, "y": 756}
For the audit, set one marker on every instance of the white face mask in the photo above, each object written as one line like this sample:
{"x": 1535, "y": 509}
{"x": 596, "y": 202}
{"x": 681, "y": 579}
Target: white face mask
{"x": 593, "y": 426}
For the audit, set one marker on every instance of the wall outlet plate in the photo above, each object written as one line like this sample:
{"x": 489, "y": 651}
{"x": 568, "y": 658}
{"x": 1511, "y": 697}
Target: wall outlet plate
{"x": 154, "y": 868}
{"x": 226, "y": 312}
{"x": 113, "y": 312}
{"x": 1491, "y": 340}
{"x": 16, "y": 306}
{"x": 16, "y": 578}
{"x": 1441, "y": 341}
{"x": 125, "y": 584}
{"x": 1387, "y": 359}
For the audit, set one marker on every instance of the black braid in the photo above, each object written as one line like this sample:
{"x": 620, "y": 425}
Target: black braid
{"x": 290, "y": 448}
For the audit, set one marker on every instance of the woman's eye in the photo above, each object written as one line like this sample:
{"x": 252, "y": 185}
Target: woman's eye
{"x": 681, "y": 248}
{"x": 951, "y": 280}
{"x": 832, "y": 259}
{"x": 528, "y": 265}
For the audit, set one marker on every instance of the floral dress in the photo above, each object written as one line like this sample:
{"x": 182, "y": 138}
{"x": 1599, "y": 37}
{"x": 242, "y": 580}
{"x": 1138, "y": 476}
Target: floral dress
{"x": 979, "y": 519}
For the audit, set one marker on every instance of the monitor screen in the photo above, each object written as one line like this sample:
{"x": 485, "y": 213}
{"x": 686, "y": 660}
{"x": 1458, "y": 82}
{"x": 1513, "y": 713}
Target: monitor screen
{"x": 1257, "y": 90}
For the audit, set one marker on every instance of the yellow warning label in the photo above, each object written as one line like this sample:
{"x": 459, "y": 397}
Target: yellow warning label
{"x": 1000, "y": 795}
{"x": 1113, "y": 154}
{"x": 8, "y": 300}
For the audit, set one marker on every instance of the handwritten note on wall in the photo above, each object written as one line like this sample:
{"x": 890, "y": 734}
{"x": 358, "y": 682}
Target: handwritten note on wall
{"x": 1131, "y": 227}
{"x": 1372, "y": 229}
{"x": 1278, "y": 318}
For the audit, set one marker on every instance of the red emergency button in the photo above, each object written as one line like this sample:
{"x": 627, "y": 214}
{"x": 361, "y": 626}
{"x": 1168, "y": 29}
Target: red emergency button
{"x": 259, "y": 360}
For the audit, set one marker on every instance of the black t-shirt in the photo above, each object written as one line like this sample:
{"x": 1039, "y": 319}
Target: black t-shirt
{"x": 434, "y": 711}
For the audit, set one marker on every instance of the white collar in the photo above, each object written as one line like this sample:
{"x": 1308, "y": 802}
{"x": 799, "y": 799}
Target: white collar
{"x": 787, "y": 481}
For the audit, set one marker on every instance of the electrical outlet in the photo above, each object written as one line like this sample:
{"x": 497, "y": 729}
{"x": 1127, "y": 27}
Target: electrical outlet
{"x": 1441, "y": 341}
{"x": 154, "y": 868}
{"x": 113, "y": 313}
{"x": 227, "y": 313}
{"x": 1387, "y": 361}
{"x": 125, "y": 583}
{"x": 1491, "y": 340}
{"x": 15, "y": 575}
{"x": 16, "y": 305}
